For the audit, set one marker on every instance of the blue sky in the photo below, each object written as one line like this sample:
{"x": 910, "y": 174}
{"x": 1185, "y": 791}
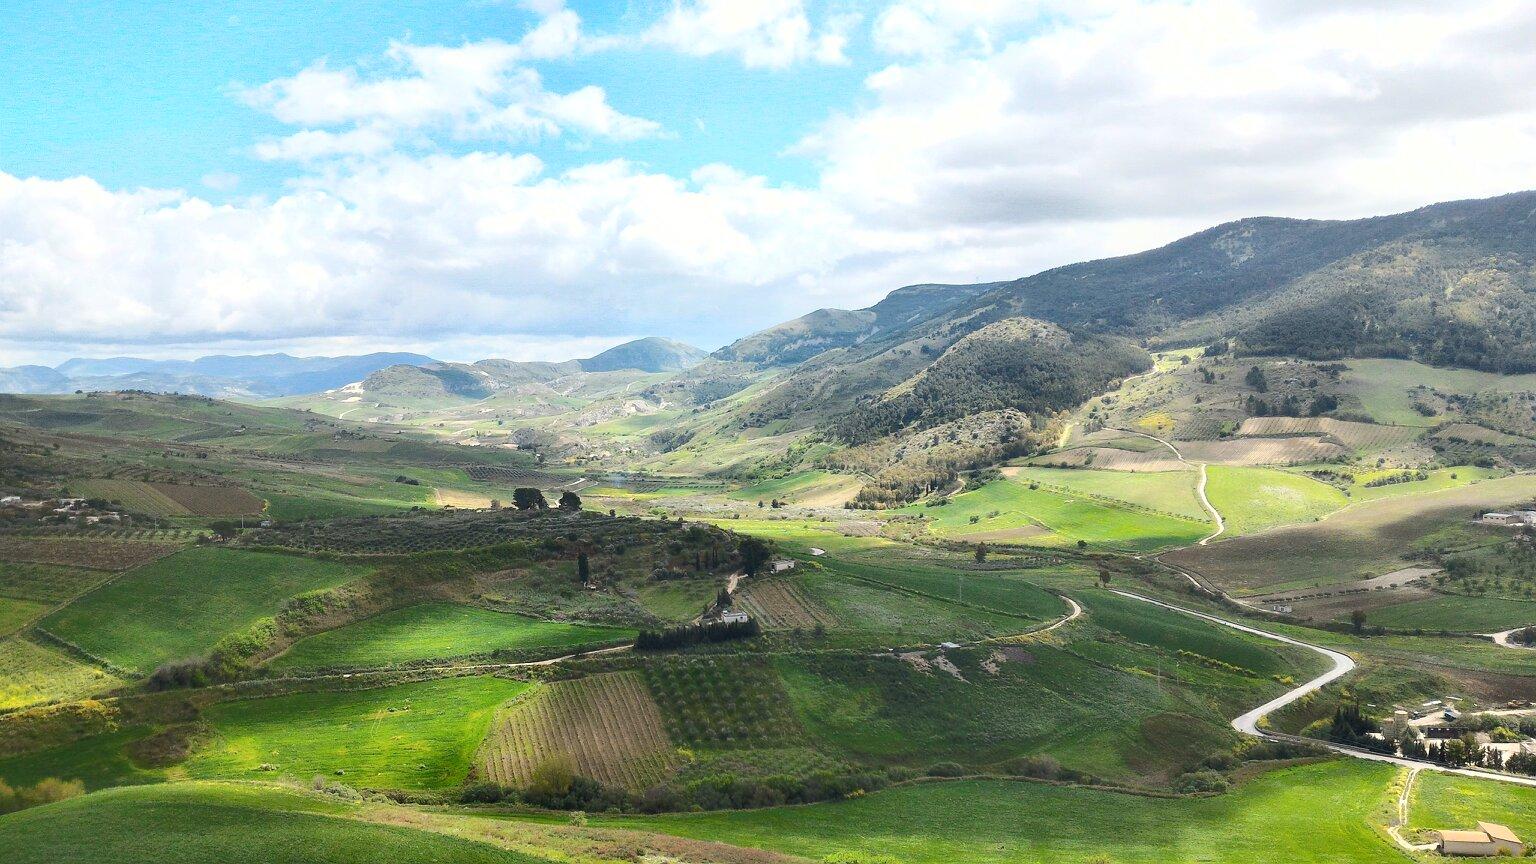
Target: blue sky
{"x": 141, "y": 94}
{"x": 542, "y": 179}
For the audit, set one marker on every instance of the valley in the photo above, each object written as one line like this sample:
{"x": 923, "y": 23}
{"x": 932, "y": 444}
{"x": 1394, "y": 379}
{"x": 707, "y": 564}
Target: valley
{"x": 927, "y": 581}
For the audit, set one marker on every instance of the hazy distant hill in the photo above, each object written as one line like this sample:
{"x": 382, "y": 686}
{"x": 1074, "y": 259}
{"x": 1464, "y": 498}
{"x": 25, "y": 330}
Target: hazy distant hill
{"x": 477, "y": 380}
{"x": 257, "y": 376}
{"x": 651, "y": 354}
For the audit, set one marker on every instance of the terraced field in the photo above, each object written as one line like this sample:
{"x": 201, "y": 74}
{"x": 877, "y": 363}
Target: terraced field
{"x": 179, "y": 606}
{"x": 608, "y": 724}
{"x": 436, "y": 631}
{"x": 31, "y": 674}
{"x": 408, "y": 736}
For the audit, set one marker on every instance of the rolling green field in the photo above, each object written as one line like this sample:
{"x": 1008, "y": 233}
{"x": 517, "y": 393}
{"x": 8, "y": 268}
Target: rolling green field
{"x": 415, "y": 736}
{"x": 207, "y": 823}
{"x": 1166, "y": 491}
{"x": 1046, "y": 518}
{"x": 1447, "y": 801}
{"x": 15, "y": 614}
{"x": 1440, "y": 478}
{"x": 1462, "y": 614}
{"x": 1365, "y": 539}
{"x": 31, "y": 673}
{"x": 436, "y": 630}
{"x": 1305, "y": 815}
{"x": 1254, "y": 499}
{"x": 179, "y": 606}
{"x": 812, "y": 487}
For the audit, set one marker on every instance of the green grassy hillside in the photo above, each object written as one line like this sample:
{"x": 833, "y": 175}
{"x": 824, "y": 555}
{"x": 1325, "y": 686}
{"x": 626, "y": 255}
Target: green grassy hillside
{"x": 179, "y": 606}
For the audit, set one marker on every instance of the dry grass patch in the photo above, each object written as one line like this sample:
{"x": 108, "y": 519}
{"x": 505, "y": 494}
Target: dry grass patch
{"x": 1112, "y": 459}
{"x": 608, "y": 724}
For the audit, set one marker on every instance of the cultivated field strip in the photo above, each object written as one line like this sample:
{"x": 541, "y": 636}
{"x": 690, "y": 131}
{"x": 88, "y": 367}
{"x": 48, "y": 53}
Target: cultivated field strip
{"x": 211, "y": 500}
{"x": 79, "y": 552}
{"x": 1358, "y": 436}
{"x": 607, "y": 723}
{"x": 136, "y": 495}
{"x": 1262, "y": 451}
{"x": 1111, "y": 459}
{"x": 780, "y": 604}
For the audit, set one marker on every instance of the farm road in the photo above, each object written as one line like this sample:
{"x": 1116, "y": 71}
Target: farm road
{"x": 1343, "y": 664}
{"x": 1200, "y": 483}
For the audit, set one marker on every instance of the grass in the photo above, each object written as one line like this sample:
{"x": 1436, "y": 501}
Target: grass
{"x": 1362, "y": 540}
{"x": 437, "y": 630}
{"x": 809, "y": 487}
{"x": 677, "y": 599}
{"x": 1166, "y": 491}
{"x": 207, "y": 823}
{"x": 1440, "y": 478}
{"x": 1458, "y": 613}
{"x": 15, "y": 614}
{"x": 99, "y": 761}
{"x": 1009, "y": 510}
{"x": 413, "y": 736}
{"x": 179, "y": 606}
{"x": 1304, "y": 815}
{"x": 1255, "y": 499}
{"x": 1448, "y": 801}
{"x": 31, "y": 673}
{"x": 1044, "y": 699}
{"x": 46, "y": 582}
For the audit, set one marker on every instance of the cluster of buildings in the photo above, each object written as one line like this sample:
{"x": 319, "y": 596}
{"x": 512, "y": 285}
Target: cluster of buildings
{"x": 1513, "y": 519}
{"x": 65, "y": 509}
{"x": 1487, "y": 841}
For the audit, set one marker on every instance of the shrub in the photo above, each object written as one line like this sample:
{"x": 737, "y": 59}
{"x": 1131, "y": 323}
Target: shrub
{"x": 947, "y": 769}
{"x": 1204, "y": 780}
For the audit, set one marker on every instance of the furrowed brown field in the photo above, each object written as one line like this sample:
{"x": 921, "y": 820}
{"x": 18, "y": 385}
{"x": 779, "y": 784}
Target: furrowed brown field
{"x": 780, "y": 604}
{"x": 211, "y": 500}
{"x": 607, "y": 723}
{"x": 1262, "y": 451}
{"x": 78, "y": 552}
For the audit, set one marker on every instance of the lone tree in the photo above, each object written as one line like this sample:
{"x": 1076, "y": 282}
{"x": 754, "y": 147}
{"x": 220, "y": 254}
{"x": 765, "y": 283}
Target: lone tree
{"x": 570, "y": 501}
{"x": 1104, "y": 578}
{"x": 754, "y": 554}
{"x": 583, "y": 568}
{"x": 529, "y": 498}
{"x": 1357, "y": 620}
{"x": 981, "y": 553}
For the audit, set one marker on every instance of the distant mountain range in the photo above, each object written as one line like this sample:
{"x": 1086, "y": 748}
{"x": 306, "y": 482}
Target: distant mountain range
{"x": 477, "y": 380}
{"x": 266, "y": 376}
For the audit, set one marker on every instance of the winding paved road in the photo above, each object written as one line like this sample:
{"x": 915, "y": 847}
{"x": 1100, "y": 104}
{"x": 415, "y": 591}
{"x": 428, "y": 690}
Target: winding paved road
{"x": 1248, "y": 723}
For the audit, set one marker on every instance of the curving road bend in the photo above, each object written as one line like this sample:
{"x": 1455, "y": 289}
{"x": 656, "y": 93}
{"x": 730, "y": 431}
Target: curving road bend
{"x": 1343, "y": 664}
{"x": 1221, "y": 525}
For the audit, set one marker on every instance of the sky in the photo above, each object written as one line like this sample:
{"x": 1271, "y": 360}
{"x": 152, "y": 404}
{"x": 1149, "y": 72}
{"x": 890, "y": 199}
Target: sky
{"x": 543, "y": 179}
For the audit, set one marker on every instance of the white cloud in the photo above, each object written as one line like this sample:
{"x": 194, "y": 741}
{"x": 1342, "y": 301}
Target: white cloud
{"x": 482, "y": 90}
{"x": 773, "y": 34}
{"x": 1005, "y": 140}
